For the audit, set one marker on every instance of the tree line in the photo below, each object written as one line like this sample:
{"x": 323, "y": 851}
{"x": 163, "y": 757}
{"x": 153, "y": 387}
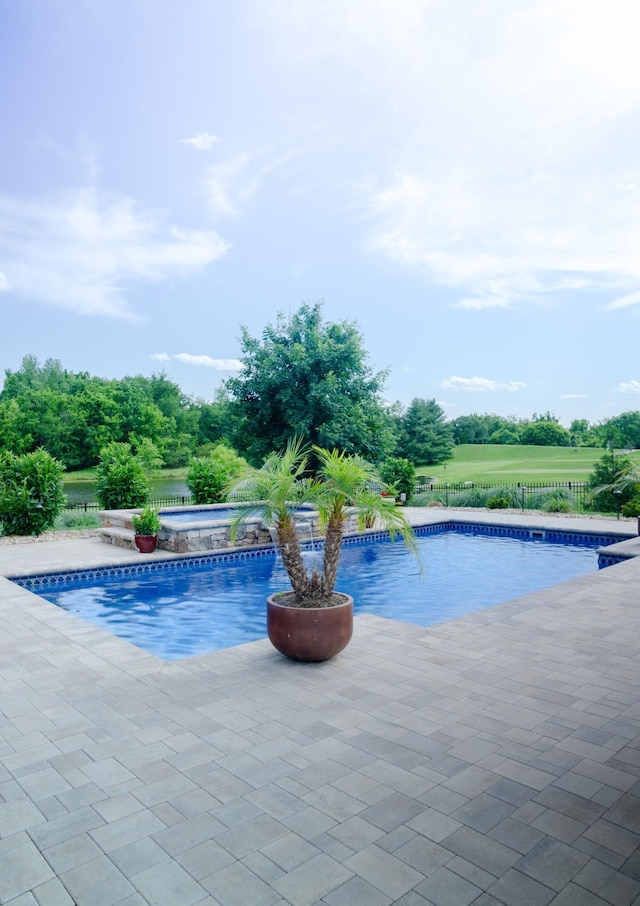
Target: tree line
{"x": 303, "y": 377}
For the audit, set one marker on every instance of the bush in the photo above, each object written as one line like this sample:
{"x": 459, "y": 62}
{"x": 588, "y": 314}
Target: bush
{"x": 556, "y": 500}
{"x": 429, "y": 498}
{"x": 76, "y": 521}
{"x": 147, "y": 522}
{"x": 400, "y": 475}
{"x": 31, "y": 495}
{"x": 610, "y": 474}
{"x": 121, "y": 482}
{"x": 632, "y": 507}
{"x": 207, "y": 479}
{"x": 498, "y": 503}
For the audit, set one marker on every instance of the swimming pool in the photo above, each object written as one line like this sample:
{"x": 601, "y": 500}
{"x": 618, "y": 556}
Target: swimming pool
{"x": 178, "y": 608}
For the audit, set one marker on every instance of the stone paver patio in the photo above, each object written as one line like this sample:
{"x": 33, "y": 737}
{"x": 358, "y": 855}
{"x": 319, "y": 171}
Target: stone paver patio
{"x": 494, "y": 759}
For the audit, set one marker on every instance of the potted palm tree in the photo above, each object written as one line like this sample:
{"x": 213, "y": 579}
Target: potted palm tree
{"x": 313, "y": 622}
{"x": 146, "y": 526}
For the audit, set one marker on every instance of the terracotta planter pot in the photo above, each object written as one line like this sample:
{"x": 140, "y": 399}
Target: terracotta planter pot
{"x": 146, "y": 544}
{"x": 309, "y": 633}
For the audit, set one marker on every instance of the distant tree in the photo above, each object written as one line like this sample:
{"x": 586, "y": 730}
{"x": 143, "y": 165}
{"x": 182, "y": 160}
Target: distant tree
{"x": 424, "y": 437}
{"x": 545, "y": 434}
{"x": 579, "y": 431}
{"x": 308, "y": 379}
{"x": 545, "y": 417}
{"x": 507, "y": 434}
{"x": 216, "y": 419}
{"x": 470, "y": 429}
{"x": 628, "y": 426}
{"x": 486, "y": 429}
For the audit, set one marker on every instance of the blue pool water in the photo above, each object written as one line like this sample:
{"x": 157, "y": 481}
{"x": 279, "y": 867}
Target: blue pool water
{"x": 174, "y": 610}
{"x": 218, "y": 515}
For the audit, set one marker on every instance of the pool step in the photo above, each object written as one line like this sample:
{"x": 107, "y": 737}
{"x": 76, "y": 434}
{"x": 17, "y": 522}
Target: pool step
{"x": 121, "y": 537}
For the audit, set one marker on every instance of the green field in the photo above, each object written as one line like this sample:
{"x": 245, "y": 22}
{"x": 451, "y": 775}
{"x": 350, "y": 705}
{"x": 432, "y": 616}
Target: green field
{"x": 506, "y": 464}
{"x": 484, "y": 463}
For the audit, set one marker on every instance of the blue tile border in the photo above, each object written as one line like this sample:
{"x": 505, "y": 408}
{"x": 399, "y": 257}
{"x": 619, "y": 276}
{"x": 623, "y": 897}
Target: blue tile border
{"x": 37, "y": 581}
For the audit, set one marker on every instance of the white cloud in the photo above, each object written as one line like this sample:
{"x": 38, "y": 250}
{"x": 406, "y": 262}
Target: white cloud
{"x": 574, "y": 396}
{"x": 201, "y": 360}
{"x": 81, "y": 250}
{"x": 506, "y": 166}
{"x": 478, "y": 384}
{"x": 628, "y": 387}
{"x": 230, "y": 185}
{"x": 202, "y": 141}
{"x": 160, "y": 357}
{"x": 5, "y": 286}
{"x": 625, "y": 301}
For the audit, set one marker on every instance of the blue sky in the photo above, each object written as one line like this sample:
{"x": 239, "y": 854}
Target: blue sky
{"x": 461, "y": 179}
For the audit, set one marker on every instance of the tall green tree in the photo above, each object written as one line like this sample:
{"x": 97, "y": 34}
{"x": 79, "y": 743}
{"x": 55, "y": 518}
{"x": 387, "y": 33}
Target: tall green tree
{"x": 424, "y": 435}
{"x": 628, "y": 426}
{"x": 310, "y": 379}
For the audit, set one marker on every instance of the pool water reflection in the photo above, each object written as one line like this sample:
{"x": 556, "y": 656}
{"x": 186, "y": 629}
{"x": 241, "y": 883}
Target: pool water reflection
{"x": 214, "y": 604}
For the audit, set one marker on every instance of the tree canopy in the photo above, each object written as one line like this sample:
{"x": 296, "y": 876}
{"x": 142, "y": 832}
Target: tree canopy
{"x": 424, "y": 436}
{"x": 309, "y": 379}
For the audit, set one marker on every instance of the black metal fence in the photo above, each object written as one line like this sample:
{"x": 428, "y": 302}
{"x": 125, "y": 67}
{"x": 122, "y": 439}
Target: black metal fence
{"x": 93, "y": 505}
{"x": 524, "y": 491}
{"x": 446, "y": 492}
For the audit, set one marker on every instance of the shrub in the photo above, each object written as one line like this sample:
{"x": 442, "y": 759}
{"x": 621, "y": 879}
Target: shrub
{"x": 147, "y": 522}
{"x": 471, "y": 497}
{"x": 429, "y": 498}
{"x": 632, "y": 507}
{"x": 556, "y": 500}
{"x": 207, "y": 479}
{"x": 400, "y": 475}
{"x": 31, "y": 494}
{"x": 76, "y": 521}
{"x": 613, "y": 472}
{"x": 497, "y": 503}
{"x": 511, "y": 493}
{"x": 121, "y": 481}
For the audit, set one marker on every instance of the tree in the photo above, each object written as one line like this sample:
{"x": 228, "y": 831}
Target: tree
{"x": 628, "y": 426}
{"x": 309, "y": 379}
{"x": 545, "y": 434}
{"x": 486, "y": 429}
{"x": 579, "y": 431}
{"x": 470, "y": 429}
{"x": 424, "y": 437}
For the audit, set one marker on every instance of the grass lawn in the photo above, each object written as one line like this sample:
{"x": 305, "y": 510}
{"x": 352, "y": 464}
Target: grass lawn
{"x": 506, "y": 464}
{"x": 90, "y": 474}
{"x": 485, "y": 463}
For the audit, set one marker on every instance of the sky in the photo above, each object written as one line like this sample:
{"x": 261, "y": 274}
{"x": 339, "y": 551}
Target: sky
{"x": 460, "y": 178}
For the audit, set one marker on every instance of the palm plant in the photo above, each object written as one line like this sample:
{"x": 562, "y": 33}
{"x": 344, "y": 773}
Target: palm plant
{"x": 342, "y": 486}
